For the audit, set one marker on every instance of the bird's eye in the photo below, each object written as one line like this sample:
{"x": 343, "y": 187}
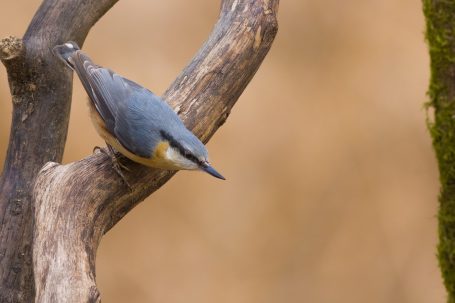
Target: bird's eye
{"x": 189, "y": 155}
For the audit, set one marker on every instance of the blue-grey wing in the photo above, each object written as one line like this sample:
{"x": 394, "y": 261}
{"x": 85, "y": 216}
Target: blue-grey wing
{"x": 131, "y": 113}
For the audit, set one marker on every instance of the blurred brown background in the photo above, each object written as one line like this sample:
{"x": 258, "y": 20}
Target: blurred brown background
{"x": 332, "y": 183}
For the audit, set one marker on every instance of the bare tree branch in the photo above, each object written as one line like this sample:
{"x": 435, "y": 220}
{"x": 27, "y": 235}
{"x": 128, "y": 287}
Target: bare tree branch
{"x": 41, "y": 95}
{"x": 75, "y": 204}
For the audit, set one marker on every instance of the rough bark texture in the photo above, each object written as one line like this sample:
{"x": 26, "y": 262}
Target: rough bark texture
{"x": 73, "y": 205}
{"x": 440, "y": 18}
{"x": 41, "y": 95}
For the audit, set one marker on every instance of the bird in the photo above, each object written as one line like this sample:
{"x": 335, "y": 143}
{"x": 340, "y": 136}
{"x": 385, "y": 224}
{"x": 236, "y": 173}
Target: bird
{"x": 134, "y": 121}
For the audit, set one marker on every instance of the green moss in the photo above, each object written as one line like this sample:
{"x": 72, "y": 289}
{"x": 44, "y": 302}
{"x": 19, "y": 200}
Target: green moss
{"x": 440, "y": 34}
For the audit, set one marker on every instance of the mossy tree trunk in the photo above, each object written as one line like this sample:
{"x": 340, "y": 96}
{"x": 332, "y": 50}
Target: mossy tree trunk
{"x": 440, "y": 33}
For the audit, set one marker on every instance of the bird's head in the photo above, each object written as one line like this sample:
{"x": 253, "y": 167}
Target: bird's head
{"x": 184, "y": 151}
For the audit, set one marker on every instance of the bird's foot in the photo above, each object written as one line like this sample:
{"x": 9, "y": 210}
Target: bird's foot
{"x": 98, "y": 149}
{"x": 116, "y": 164}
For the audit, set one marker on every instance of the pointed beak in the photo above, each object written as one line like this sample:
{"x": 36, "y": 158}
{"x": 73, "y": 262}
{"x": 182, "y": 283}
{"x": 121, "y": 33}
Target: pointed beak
{"x": 210, "y": 170}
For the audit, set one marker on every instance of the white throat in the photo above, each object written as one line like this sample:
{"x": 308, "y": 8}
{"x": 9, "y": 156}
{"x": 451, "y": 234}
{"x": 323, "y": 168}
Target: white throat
{"x": 177, "y": 159}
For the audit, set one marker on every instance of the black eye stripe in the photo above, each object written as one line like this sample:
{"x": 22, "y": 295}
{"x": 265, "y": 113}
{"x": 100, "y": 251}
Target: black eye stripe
{"x": 175, "y": 144}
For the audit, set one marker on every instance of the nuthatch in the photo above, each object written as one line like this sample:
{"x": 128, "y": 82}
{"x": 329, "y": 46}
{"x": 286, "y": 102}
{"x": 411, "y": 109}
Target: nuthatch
{"x": 133, "y": 120}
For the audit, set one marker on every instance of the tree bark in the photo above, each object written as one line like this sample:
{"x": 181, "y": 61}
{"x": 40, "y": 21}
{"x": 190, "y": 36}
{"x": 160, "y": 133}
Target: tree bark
{"x": 73, "y": 205}
{"x": 41, "y": 95}
{"x": 440, "y": 33}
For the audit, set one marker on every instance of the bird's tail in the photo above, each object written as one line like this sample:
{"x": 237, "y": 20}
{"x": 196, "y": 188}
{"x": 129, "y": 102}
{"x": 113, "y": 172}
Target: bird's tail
{"x": 65, "y": 51}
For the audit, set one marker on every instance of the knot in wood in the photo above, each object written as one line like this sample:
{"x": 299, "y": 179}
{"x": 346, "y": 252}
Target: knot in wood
{"x": 11, "y": 47}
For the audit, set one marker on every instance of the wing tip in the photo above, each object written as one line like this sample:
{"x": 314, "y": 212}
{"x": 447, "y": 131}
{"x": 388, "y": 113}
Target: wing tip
{"x": 65, "y": 51}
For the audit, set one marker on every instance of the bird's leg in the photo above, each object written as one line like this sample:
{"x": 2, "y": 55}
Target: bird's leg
{"x": 111, "y": 153}
{"x": 117, "y": 156}
{"x": 116, "y": 164}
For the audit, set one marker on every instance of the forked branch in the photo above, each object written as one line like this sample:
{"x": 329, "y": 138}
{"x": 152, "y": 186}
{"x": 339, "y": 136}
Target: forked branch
{"x": 75, "y": 204}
